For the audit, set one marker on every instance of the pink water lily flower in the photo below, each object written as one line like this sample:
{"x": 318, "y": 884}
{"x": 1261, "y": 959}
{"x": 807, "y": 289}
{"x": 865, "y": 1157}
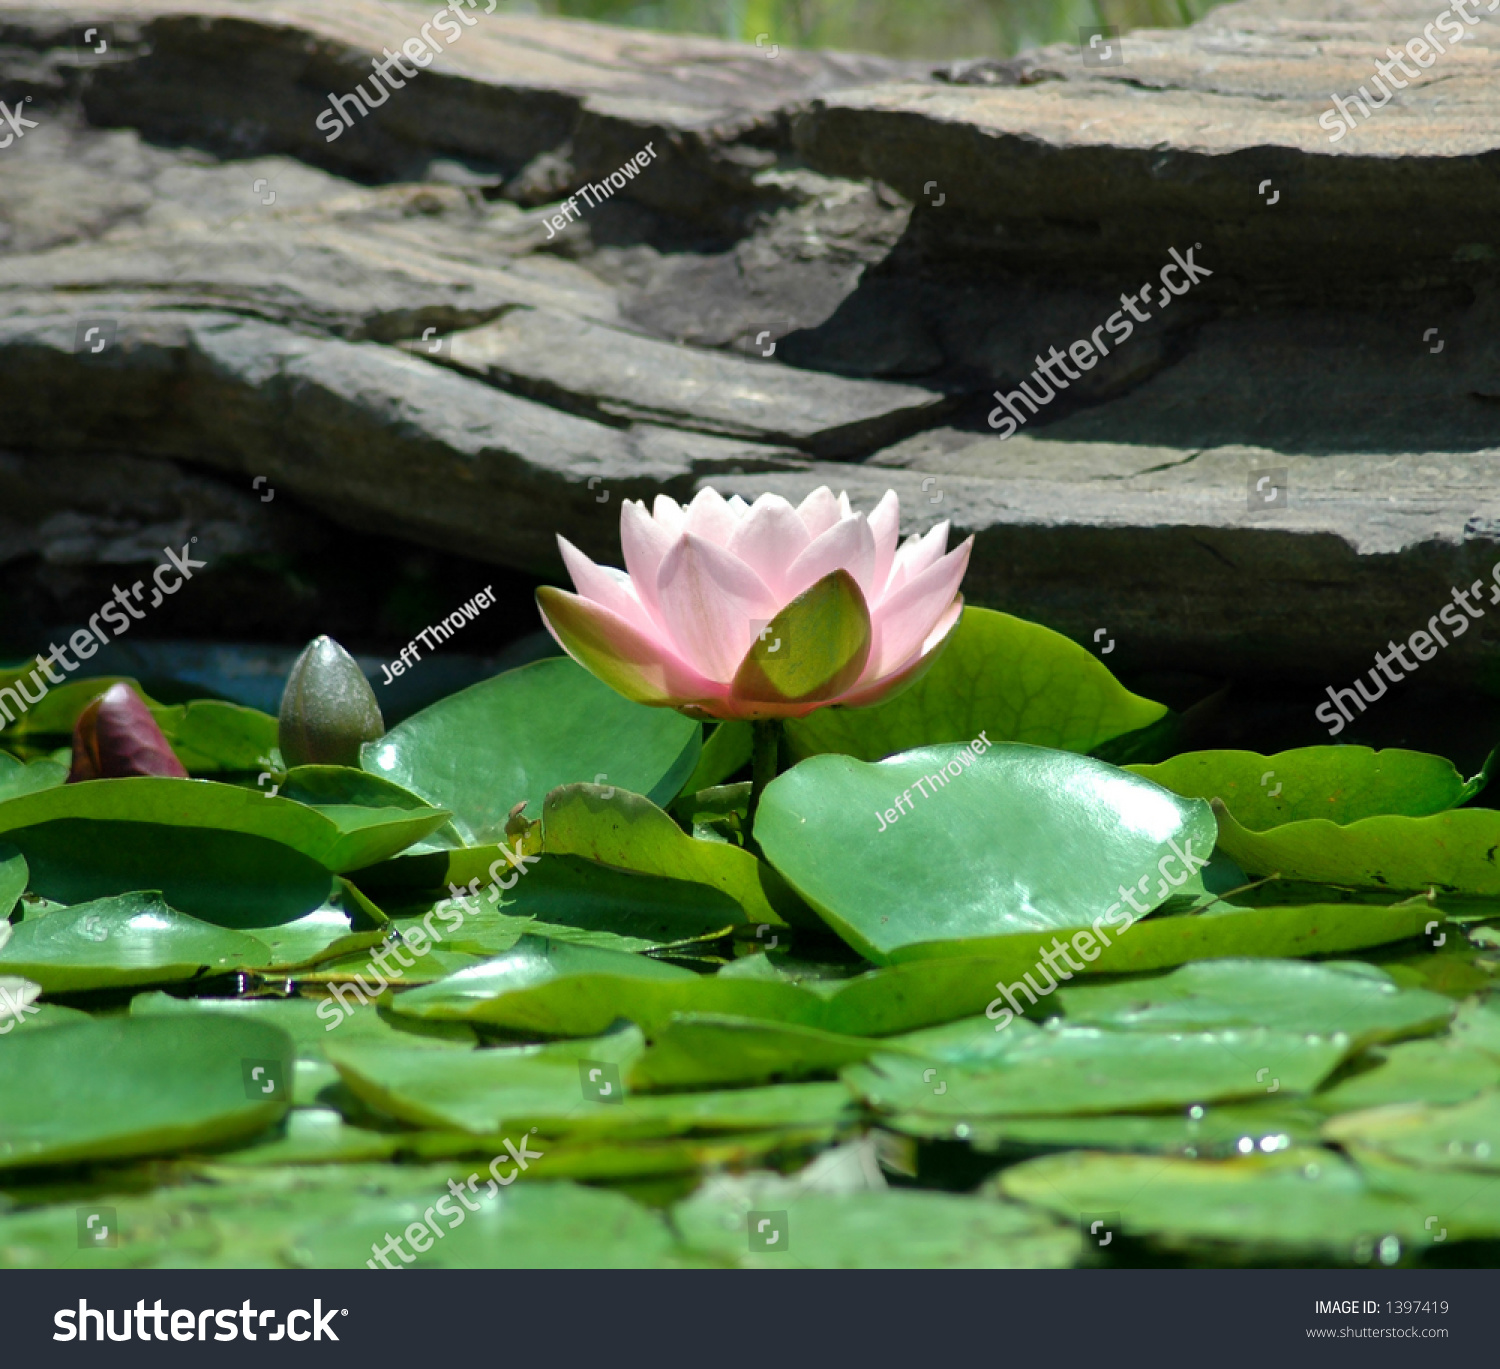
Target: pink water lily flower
{"x": 763, "y": 610}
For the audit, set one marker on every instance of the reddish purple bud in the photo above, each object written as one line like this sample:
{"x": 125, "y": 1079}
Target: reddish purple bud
{"x": 116, "y": 736}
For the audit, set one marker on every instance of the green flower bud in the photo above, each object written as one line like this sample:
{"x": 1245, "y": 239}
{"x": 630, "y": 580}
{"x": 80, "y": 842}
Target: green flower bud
{"x": 328, "y": 709}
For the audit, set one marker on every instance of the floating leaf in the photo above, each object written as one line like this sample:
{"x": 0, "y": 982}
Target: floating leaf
{"x": 630, "y": 832}
{"x": 135, "y": 1086}
{"x": 14, "y": 877}
{"x": 1301, "y": 1201}
{"x": 234, "y": 856}
{"x": 552, "y": 988}
{"x": 1201, "y": 1132}
{"x": 1339, "y": 783}
{"x": 1290, "y": 995}
{"x": 922, "y": 992}
{"x": 16, "y": 778}
{"x": 1013, "y": 680}
{"x": 1463, "y": 1136}
{"x": 697, "y": 1050}
{"x": 1014, "y": 839}
{"x": 1081, "y": 1070}
{"x": 112, "y": 943}
{"x": 522, "y": 734}
{"x": 1454, "y": 852}
{"x": 212, "y": 737}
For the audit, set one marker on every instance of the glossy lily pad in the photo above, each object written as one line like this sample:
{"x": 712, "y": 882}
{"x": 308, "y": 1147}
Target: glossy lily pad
{"x": 134, "y": 1086}
{"x": 236, "y": 856}
{"x": 522, "y": 734}
{"x": 923, "y": 992}
{"x": 117, "y": 942}
{"x": 630, "y": 832}
{"x": 1341, "y": 784}
{"x": 1198, "y": 1132}
{"x": 1295, "y": 1200}
{"x": 1462, "y": 1136}
{"x": 553, "y": 988}
{"x": 1454, "y": 852}
{"x": 17, "y": 778}
{"x": 210, "y": 736}
{"x": 699, "y": 1050}
{"x": 551, "y": 1089}
{"x": 1015, "y": 839}
{"x": 1082, "y": 1070}
{"x": 1290, "y": 995}
{"x": 1013, "y": 680}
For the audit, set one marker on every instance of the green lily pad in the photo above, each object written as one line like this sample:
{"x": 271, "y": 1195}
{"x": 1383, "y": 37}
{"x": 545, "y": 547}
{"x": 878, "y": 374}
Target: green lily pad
{"x": 17, "y": 778}
{"x": 522, "y": 734}
{"x": 567, "y": 899}
{"x": 1464, "y": 1136}
{"x": 211, "y": 737}
{"x": 923, "y": 992}
{"x": 629, "y": 832}
{"x": 134, "y": 1086}
{"x": 553, "y": 988}
{"x": 312, "y": 1025}
{"x": 1292, "y": 1201}
{"x": 1013, "y": 680}
{"x": 232, "y": 855}
{"x": 527, "y": 1226}
{"x": 1290, "y": 995}
{"x": 1016, "y": 839}
{"x": 1447, "y": 1069}
{"x": 1081, "y": 1070}
{"x": 14, "y": 877}
{"x": 113, "y": 943}
{"x": 549, "y": 1089}
{"x": 698, "y": 1050}
{"x": 890, "y": 1229}
{"x": 1454, "y": 852}
{"x": 1341, "y": 784}
{"x": 1197, "y": 1132}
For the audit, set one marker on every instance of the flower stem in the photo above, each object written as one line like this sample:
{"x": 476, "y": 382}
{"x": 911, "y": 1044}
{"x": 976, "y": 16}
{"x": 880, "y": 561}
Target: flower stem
{"x": 765, "y": 743}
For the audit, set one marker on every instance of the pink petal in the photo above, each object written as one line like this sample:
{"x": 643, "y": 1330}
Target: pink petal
{"x": 710, "y": 518}
{"x": 606, "y": 586}
{"x": 769, "y": 540}
{"x": 846, "y": 509}
{"x": 712, "y": 604}
{"x": 606, "y": 645}
{"x": 885, "y": 523}
{"x": 668, "y": 512}
{"x": 906, "y": 618}
{"x": 873, "y": 691}
{"x": 847, "y": 545}
{"x": 645, "y": 542}
{"x": 916, "y": 554}
{"x": 819, "y": 511}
